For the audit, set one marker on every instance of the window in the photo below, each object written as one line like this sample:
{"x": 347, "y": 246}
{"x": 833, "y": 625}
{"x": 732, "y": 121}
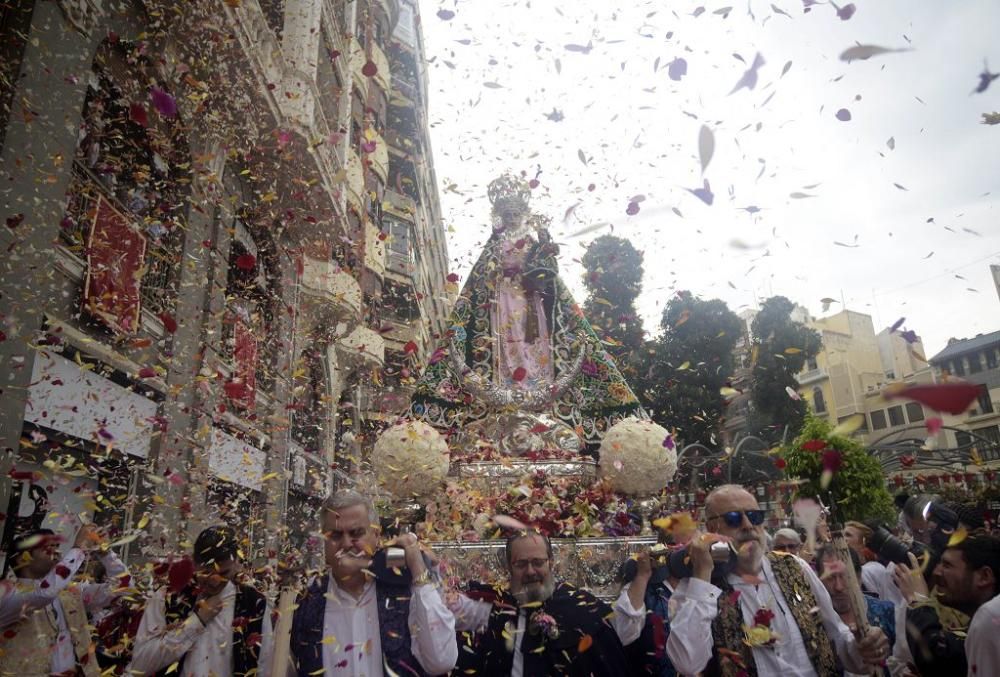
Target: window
{"x": 819, "y": 402}
{"x": 991, "y": 433}
{"x": 975, "y": 366}
{"x": 963, "y": 440}
{"x": 991, "y": 358}
{"x": 878, "y": 419}
{"x": 914, "y": 412}
{"x": 896, "y": 416}
{"x": 957, "y": 367}
{"x": 404, "y": 26}
{"x": 399, "y": 240}
{"x": 984, "y": 403}
{"x": 811, "y": 364}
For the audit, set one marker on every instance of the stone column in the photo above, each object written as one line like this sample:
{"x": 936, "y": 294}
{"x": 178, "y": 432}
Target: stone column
{"x": 38, "y": 151}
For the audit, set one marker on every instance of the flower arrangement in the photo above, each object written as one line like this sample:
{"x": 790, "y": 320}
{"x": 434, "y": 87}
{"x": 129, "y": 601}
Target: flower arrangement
{"x": 410, "y": 459}
{"x": 638, "y": 457}
{"x": 540, "y": 623}
{"x": 557, "y": 506}
{"x": 760, "y": 633}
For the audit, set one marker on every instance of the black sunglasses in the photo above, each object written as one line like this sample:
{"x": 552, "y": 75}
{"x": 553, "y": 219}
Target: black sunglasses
{"x": 734, "y": 518}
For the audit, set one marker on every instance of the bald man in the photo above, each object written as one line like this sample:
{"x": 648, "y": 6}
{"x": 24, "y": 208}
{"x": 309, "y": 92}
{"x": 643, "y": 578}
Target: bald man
{"x": 761, "y": 618}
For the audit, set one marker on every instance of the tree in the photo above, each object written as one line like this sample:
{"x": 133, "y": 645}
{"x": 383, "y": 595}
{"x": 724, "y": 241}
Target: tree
{"x": 613, "y": 277}
{"x": 856, "y": 488}
{"x": 782, "y": 347}
{"x": 692, "y": 359}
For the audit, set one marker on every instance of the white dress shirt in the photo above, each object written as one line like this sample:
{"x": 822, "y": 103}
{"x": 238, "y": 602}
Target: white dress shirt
{"x": 207, "y": 649}
{"x": 29, "y": 594}
{"x": 472, "y": 615}
{"x": 982, "y": 646}
{"x": 695, "y": 602}
{"x": 352, "y": 640}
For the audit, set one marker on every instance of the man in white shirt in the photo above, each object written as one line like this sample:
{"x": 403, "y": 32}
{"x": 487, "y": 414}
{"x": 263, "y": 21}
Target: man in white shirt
{"x": 761, "y": 615}
{"x": 982, "y": 648}
{"x": 43, "y": 616}
{"x": 366, "y": 617}
{"x": 539, "y": 627}
{"x": 213, "y": 626}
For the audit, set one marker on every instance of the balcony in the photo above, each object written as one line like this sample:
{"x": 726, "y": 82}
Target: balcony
{"x": 380, "y": 157}
{"x": 400, "y": 205}
{"x": 406, "y": 88}
{"x": 374, "y": 250}
{"x": 355, "y": 179}
{"x": 329, "y": 294}
{"x": 359, "y": 57}
{"x": 361, "y": 347}
{"x": 811, "y": 376}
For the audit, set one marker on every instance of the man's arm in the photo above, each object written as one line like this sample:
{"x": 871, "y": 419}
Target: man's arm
{"x": 471, "y": 615}
{"x": 432, "y": 631}
{"x": 18, "y": 599}
{"x": 96, "y": 596}
{"x": 158, "y": 645}
{"x": 266, "y": 645}
{"x": 689, "y": 644}
{"x": 628, "y": 620}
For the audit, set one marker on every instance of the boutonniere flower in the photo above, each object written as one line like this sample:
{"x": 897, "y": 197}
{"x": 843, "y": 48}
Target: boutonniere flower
{"x": 540, "y": 623}
{"x": 760, "y": 633}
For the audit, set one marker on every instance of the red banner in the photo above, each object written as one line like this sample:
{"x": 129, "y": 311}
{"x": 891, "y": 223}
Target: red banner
{"x": 115, "y": 254}
{"x": 244, "y": 382}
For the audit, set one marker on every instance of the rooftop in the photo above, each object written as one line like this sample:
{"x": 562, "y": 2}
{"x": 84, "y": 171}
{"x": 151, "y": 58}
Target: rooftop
{"x": 963, "y": 346}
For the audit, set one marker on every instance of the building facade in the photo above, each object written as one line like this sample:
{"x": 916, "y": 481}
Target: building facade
{"x": 223, "y": 248}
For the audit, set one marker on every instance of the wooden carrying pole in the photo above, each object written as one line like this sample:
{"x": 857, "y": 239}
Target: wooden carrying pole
{"x": 283, "y": 632}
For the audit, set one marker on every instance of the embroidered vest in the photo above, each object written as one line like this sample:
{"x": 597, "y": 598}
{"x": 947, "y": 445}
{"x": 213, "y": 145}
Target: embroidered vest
{"x": 248, "y": 626}
{"x": 732, "y": 656}
{"x": 26, "y": 646}
{"x": 577, "y": 614}
{"x": 393, "y": 600}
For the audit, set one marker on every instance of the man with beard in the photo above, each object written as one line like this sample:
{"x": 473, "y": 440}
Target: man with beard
{"x": 966, "y": 577}
{"x": 537, "y": 627}
{"x": 364, "y": 616}
{"x": 762, "y": 616}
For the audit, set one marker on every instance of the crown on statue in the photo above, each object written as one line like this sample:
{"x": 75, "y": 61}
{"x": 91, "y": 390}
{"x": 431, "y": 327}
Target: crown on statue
{"x": 509, "y": 193}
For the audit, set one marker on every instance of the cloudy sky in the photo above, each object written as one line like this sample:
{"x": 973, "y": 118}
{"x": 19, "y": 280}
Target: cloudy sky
{"x": 895, "y": 210}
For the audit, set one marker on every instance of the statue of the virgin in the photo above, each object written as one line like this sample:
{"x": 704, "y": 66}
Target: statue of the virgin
{"x": 520, "y": 366}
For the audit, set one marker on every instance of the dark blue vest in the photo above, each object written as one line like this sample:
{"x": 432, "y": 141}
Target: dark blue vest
{"x": 392, "y": 593}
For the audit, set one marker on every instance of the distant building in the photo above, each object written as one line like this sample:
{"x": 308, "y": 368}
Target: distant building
{"x": 976, "y": 360}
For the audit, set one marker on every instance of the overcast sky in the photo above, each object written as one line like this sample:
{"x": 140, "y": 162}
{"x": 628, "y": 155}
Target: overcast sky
{"x": 918, "y": 225}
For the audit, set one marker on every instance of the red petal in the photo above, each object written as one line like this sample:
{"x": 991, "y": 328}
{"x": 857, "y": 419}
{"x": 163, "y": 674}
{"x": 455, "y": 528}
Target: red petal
{"x": 147, "y": 372}
{"x": 814, "y": 445}
{"x": 246, "y": 261}
{"x": 169, "y": 323}
{"x": 62, "y": 571}
{"x": 519, "y": 374}
{"x": 180, "y": 574}
{"x": 137, "y": 114}
{"x": 369, "y": 69}
{"x": 953, "y": 397}
{"x": 452, "y": 277}
{"x": 410, "y": 348}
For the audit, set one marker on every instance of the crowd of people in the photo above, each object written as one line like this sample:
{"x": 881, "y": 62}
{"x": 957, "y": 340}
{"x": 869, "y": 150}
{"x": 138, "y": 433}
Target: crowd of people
{"x": 725, "y": 598}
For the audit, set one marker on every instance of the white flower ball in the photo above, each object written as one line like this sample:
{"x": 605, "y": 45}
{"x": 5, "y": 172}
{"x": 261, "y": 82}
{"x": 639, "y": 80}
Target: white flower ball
{"x": 635, "y": 459}
{"x": 410, "y": 459}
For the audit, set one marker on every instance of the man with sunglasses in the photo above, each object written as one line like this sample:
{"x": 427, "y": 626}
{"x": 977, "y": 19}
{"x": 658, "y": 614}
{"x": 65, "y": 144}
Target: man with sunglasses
{"x": 768, "y": 614}
{"x": 787, "y": 541}
{"x": 539, "y": 627}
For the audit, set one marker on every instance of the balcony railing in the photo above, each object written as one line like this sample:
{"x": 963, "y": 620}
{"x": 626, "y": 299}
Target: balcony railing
{"x": 811, "y": 376}
{"x": 159, "y": 282}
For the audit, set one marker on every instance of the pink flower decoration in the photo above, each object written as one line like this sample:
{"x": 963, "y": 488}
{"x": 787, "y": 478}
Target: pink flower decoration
{"x": 163, "y": 102}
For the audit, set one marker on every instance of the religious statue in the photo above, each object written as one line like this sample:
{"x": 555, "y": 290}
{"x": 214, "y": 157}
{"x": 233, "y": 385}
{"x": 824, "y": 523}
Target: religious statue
{"x": 520, "y": 366}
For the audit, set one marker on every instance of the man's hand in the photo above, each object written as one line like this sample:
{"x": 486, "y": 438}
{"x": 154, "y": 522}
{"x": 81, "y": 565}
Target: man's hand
{"x": 208, "y": 608}
{"x": 874, "y": 647}
{"x": 87, "y": 538}
{"x": 909, "y": 580}
{"x": 414, "y": 556}
{"x": 700, "y": 554}
{"x": 637, "y": 587}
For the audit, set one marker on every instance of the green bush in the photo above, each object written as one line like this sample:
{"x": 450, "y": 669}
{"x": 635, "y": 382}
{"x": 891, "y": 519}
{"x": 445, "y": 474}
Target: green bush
{"x": 857, "y": 490}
